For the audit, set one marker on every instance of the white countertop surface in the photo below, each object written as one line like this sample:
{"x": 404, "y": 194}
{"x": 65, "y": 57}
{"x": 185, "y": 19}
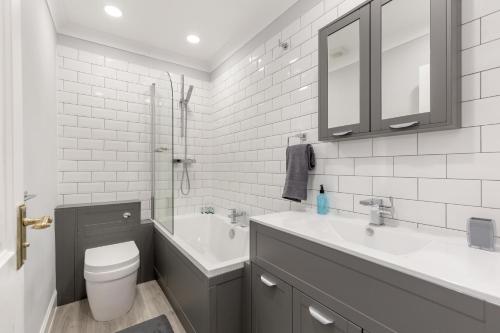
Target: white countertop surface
{"x": 442, "y": 259}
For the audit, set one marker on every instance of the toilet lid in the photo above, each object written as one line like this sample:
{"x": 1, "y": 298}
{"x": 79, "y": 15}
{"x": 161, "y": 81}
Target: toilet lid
{"x": 111, "y": 257}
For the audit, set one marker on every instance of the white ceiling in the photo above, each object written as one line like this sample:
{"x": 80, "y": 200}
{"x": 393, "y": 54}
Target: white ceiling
{"x": 158, "y": 28}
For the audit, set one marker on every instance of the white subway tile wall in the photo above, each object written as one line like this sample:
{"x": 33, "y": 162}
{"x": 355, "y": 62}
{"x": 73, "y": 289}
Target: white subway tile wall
{"x": 438, "y": 179}
{"x": 242, "y": 120}
{"x": 104, "y": 131}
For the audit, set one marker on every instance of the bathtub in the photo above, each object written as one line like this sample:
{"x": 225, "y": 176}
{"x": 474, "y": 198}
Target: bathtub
{"x": 203, "y": 270}
{"x": 210, "y": 242}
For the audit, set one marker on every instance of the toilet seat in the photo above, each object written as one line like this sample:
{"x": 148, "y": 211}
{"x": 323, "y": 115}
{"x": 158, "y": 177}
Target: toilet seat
{"x": 110, "y": 278}
{"x": 111, "y": 262}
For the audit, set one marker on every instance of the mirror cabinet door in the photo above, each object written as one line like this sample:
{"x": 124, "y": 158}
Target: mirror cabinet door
{"x": 407, "y": 77}
{"x": 344, "y": 76}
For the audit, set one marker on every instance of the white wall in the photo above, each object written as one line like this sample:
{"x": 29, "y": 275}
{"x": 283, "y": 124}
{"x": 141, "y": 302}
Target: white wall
{"x": 39, "y": 42}
{"x": 104, "y": 127}
{"x": 438, "y": 179}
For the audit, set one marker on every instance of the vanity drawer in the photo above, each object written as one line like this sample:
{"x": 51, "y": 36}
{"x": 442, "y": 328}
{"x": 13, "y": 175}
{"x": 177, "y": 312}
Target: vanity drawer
{"x": 310, "y": 316}
{"x": 271, "y": 303}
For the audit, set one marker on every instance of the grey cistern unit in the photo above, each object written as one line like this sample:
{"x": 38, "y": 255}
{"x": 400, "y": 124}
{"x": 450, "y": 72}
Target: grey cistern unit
{"x": 301, "y": 286}
{"x": 84, "y": 226}
{"x": 390, "y": 67}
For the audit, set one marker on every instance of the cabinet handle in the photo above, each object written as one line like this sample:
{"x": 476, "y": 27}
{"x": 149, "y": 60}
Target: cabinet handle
{"x": 267, "y": 282}
{"x": 404, "y": 125}
{"x": 342, "y": 133}
{"x": 324, "y": 320}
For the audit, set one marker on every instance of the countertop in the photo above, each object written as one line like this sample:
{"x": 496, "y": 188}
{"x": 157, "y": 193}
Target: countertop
{"x": 445, "y": 260}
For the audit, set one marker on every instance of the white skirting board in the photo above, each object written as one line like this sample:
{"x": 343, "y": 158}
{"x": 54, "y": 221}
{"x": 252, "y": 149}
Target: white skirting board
{"x": 49, "y": 314}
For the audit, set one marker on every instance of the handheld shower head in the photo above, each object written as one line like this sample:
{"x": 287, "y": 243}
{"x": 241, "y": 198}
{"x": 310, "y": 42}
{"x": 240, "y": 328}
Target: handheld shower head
{"x": 188, "y": 96}
{"x": 184, "y": 113}
{"x": 182, "y": 87}
{"x": 183, "y": 102}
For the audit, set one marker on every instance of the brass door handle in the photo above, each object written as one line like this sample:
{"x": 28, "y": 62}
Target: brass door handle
{"x": 22, "y": 223}
{"x": 40, "y": 223}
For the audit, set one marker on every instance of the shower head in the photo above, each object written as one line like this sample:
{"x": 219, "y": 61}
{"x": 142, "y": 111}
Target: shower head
{"x": 182, "y": 87}
{"x": 188, "y": 96}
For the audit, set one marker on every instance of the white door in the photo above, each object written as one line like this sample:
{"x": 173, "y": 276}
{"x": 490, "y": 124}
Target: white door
{"x": 11, "y": 166}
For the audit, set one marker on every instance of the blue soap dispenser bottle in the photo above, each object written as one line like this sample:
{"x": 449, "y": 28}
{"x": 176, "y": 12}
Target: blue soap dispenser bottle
{"x": 322, "y": 202}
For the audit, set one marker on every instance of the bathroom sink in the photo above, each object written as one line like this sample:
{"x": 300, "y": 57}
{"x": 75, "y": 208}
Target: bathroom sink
{"x": 384, "y": 238}
{"x": 351, "y": 230}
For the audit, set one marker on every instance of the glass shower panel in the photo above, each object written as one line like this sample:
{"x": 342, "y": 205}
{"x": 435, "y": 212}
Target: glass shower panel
{"x": 162, "y": 143}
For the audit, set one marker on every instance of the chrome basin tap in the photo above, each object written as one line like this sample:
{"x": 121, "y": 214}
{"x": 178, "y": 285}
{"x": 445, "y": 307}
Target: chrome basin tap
{"x": 379, "y": 210}
{"x": 234, "y": 213}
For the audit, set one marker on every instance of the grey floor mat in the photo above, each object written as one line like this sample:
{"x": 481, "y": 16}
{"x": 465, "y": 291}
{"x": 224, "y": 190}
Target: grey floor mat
{"x": 159, "y": 324}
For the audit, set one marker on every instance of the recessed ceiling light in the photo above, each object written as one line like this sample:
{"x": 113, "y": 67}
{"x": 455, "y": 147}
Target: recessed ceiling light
{"x": 193, "y": 39}
{"x": 113, "y": 11}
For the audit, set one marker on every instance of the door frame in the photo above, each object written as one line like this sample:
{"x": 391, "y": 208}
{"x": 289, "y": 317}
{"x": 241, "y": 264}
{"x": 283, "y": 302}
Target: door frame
{"x": 11, "y": 166}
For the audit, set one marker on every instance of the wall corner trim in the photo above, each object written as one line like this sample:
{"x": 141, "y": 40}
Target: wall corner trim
{"x": 50, "y": 314}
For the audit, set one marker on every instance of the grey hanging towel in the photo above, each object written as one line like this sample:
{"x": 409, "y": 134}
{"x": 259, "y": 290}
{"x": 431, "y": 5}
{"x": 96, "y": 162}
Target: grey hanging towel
{"x": 299, "y": 160}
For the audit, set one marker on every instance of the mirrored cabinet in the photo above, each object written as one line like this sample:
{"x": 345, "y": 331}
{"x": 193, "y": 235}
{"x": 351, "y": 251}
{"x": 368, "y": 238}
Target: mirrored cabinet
{"x": 390, "y": 67}
{"x": 346, "y": 72}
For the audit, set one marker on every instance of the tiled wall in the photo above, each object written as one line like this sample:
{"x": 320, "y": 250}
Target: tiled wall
{"x": 437, "y": 179}
{"x": 104, "y": 127}
{"x": 241, "y": 121}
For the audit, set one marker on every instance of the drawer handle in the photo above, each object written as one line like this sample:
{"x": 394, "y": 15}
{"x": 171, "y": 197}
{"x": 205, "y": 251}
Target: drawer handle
{"x": 267, "y": 282}
{"x": 404, "y": 125}
{"x": 324, "y": 320}
{"x": 342, "y": 133}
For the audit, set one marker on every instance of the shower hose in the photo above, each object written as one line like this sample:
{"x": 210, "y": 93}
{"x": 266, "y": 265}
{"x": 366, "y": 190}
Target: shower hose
{"x": 185, "y": 175}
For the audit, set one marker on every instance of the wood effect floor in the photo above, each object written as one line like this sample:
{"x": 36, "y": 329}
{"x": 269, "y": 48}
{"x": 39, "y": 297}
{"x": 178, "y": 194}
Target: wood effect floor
{"x": 150, "y": 302}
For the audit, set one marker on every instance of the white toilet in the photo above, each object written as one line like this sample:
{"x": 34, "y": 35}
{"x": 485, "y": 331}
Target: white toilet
{"x": 111, "y": 277}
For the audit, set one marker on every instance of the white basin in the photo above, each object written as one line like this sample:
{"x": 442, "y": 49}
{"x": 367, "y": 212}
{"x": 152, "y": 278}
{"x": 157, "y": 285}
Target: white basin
{"x": 383, "y": 238}
{"x": 353, "y": 230}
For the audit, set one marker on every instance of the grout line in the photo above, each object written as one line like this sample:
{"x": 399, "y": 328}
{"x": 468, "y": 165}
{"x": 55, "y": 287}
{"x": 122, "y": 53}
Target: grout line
{"x": 481, "y": 192}
{"x": 480, "y": 31}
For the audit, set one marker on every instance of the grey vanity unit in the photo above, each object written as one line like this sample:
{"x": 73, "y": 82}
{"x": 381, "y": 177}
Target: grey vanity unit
{"x": 390, "y": 67}
{"x": 303, "y": 287}
{"x": 84, "y": 226}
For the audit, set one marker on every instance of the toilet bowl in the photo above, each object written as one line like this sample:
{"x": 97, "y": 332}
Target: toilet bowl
{"x": 110, "y": 277}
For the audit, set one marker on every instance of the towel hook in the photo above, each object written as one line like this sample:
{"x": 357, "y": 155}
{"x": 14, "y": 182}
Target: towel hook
{"x": 301, "y": 136}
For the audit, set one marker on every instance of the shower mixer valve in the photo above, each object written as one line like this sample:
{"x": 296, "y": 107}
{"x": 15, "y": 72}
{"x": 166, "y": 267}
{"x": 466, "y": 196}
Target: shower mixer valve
{"x": 184, "y": 161}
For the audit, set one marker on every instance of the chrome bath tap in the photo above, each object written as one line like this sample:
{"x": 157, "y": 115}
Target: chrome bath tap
{"x": 234, "y": 213}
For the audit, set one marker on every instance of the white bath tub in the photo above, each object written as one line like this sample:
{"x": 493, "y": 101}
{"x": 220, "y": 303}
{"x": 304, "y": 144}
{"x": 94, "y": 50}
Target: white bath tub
{"x": 210, "y": 242}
